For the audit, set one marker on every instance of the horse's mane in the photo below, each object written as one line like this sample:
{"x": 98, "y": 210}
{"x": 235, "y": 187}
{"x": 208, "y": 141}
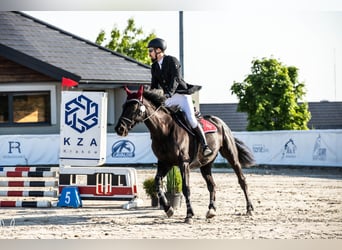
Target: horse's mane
{"x": 155, "y": 96}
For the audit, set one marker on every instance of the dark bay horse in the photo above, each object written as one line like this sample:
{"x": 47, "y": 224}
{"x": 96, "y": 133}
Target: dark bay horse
{"x": 172, "y": 145}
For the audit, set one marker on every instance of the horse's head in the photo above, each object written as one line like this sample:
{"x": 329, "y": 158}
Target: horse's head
{"x": 133, "y": 111}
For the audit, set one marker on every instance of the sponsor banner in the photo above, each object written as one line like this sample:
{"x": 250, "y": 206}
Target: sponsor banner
{"x": 311, "y": 148}
{"x": 29, "y": 150}
{"x": 83, "y": 128}
{"x": 44, "y": 149}
{"x": 132, "y": 149}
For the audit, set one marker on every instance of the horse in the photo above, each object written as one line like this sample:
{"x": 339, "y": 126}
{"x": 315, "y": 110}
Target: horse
{"x": 173, "y": 145}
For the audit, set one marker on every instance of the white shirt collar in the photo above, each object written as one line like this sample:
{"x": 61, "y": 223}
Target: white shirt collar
{"x": 160, "y": 62}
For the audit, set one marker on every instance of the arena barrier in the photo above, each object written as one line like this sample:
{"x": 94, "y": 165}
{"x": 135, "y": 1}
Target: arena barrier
{"x": 298, "y": 148}
{"x": 100, "y": 183}
{"x": 41, "y": 181}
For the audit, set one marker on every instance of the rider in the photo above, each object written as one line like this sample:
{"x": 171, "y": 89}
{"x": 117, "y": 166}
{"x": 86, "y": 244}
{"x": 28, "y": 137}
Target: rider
{"x": 166, "y": 75}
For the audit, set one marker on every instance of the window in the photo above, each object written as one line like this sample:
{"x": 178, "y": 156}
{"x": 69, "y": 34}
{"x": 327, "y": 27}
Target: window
{"x": 4, "y": 108}
{"x": 19, "y": 108}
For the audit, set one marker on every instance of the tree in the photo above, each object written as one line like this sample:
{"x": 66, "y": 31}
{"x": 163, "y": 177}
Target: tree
{"x": 131, "y": 41}
{"x": 271, "y": 97}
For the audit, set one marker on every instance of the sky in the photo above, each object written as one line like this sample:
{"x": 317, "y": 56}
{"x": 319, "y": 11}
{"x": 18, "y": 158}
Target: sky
{"x": 220, "y": 45}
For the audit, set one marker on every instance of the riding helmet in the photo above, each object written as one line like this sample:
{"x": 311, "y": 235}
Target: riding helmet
{"x": 157, "y": 43}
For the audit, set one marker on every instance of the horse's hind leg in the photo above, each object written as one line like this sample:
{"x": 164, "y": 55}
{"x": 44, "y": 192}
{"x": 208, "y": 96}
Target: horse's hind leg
{"x": 234, "y": 162}
{"x": 207, "y": 175}
{"x": 243, "y": 184}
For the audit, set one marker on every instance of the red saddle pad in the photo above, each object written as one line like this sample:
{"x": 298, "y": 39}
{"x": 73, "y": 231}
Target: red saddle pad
{"x": 207, "y": 126}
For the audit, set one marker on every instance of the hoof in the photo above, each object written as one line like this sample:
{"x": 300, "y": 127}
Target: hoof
{"x": 249, "y": 213}
{"x": 211, "y": 213}
{"x": 170, "y": 212}
{"x": 188, "y": 220}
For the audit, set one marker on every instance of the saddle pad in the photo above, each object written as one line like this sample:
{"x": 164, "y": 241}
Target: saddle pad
{"x": 208, "y": 127}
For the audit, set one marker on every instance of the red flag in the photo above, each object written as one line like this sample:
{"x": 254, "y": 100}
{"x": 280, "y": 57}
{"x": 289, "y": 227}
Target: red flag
{"x": 66, "y": 82}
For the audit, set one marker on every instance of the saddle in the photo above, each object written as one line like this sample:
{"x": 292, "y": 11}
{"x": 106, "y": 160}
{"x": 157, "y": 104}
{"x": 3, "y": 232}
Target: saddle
{"x": 179, "y": 116}
{"x": 208, "y": 127}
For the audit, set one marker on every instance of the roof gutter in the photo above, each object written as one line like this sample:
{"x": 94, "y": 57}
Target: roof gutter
{"x": 96, "y": 84}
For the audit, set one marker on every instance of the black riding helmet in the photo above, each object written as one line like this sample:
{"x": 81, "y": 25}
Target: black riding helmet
{"x": 157, "y": 43}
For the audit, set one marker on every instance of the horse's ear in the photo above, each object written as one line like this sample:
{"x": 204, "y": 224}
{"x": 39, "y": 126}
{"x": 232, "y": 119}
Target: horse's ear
{"x": 140, "y": 92}
{"x": 127, "y": 90}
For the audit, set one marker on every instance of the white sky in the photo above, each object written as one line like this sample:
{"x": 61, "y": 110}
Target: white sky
{"x": 219, "y": 46}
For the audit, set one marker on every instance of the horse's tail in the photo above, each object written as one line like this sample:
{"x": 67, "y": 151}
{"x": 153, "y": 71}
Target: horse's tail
{"x": 246, "y": 158}
{"x": 245, "y": 155}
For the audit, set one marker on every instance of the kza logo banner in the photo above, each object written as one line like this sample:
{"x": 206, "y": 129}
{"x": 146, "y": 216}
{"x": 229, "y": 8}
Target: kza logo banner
{"x": 81, "y": 113}
{"x": 83, "y": 128}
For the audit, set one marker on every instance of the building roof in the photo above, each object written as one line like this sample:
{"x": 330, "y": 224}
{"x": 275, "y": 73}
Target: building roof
{"x": 324, "y": 115}
{"x": 236, "y": 121}
{"x": 57, "y": 53}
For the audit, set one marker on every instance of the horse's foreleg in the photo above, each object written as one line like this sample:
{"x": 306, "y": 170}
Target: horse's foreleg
{"x": 185, "y": 170}
{"x": 207, "y": 175}
{"x": 161, "y": 195}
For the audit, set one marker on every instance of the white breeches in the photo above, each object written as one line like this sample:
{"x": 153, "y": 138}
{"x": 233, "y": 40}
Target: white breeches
{"x": 185, "y": 103}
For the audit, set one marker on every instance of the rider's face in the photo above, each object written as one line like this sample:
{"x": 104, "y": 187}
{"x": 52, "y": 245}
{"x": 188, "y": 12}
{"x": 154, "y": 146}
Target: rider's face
{"x": 152, "y": 54}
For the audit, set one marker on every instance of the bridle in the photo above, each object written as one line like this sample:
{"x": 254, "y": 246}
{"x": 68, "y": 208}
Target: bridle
{"x": 142, "y": 111}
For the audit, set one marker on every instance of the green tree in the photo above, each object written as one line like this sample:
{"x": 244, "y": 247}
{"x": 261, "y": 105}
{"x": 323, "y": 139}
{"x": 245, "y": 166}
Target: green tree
{"x": 131, "y": 41}
{"x": 271, "y": 96}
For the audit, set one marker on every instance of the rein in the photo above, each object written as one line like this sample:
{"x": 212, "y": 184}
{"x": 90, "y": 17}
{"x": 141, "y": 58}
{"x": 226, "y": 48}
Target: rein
{"x": 148, "y": 117}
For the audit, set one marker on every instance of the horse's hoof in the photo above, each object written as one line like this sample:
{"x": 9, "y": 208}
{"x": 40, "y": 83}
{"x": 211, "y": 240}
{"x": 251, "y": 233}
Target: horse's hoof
{"x": 188, "y": 220}
{"x": 211, "y": 213}
{"x": 170, "y": 212}
{"x": 249, "y": 213}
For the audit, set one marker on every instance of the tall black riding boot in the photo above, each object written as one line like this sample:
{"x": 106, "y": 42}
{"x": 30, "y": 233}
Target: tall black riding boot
{"x": 200, "y": 134}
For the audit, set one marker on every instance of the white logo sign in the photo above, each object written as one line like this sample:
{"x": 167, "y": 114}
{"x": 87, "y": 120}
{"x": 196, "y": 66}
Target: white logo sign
{"x": 83, "y": 128}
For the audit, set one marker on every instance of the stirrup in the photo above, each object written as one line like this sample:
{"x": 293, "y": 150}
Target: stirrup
{"x": 206, "y": 150}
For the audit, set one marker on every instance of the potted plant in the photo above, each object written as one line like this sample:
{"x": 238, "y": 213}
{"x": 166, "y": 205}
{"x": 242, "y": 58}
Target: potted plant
{"x": 150, "y": 189}
{"x": 174, "y": 187}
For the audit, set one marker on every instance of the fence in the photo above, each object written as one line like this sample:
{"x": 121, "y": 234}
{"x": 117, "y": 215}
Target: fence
{"x": 313, "y": 148}
{"x": 24, "y": 186}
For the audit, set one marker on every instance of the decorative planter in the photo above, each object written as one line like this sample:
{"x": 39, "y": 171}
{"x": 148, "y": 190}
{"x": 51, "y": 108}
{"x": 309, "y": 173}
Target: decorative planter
{"x": 175, "y": 200}
{"x": 154, "y": 202}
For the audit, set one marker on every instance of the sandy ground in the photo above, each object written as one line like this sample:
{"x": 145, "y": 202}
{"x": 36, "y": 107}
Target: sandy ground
{"x": 289, "y": 203}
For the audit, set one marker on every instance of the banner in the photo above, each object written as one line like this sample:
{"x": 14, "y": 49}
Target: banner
{"x": 312, "y": 147}
{"x": 83, "y": 128}
{"x": 133, "y": 149}
{"x": 29, "y": 150}
{"x": 308, "y": 148}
